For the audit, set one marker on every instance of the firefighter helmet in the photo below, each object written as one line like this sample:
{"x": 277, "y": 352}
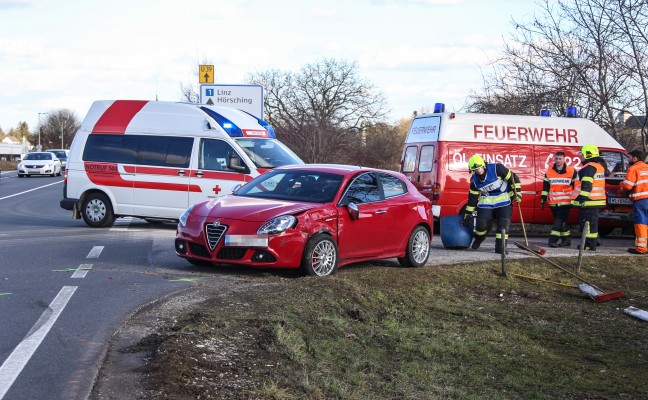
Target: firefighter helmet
{"x": 589, "y": 151}
{"x": 475, "y": 162}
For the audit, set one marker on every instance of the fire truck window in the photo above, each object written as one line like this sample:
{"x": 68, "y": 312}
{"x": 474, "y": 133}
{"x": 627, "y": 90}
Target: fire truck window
{"x": 427, "y": 159}
{"x": 409, "y": 159}
{"x": 392, "y": 186}
{"x": 214, "y": 154}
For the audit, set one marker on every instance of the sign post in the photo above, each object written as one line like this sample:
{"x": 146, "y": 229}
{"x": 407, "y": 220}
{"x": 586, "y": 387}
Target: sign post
{"x": 248, "y": 98}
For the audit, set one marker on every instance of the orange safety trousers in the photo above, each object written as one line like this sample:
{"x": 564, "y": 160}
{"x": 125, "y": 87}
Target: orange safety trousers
{"x": 640, "y": 216}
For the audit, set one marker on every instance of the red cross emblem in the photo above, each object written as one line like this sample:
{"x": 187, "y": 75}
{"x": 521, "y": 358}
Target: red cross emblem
{"x": 216, "y": 189}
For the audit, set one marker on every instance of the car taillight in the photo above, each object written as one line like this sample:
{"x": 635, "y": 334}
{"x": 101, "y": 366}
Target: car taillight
{"x": 436, "y": 191}
{"x": 65, "y": 176}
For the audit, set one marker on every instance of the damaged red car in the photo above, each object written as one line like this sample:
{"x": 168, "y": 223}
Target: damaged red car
{"x": 313, "y": 217}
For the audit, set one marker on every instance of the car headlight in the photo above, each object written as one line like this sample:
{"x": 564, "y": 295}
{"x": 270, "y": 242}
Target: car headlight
{"x": 277, "y": 225}
{"x": 185, "y": 216}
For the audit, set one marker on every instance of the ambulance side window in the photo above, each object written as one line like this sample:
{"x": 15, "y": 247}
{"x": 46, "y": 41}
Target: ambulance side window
{"x": 214, "y": 154}
{"x": 165, "y": 151}
{"x": 120, "y": 149}
{"x": 427, "y": 159}
{"x": 409, "y": 159}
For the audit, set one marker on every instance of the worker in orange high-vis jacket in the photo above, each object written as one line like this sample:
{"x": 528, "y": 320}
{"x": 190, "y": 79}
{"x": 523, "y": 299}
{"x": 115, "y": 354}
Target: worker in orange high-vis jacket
{"x": 589, "y": 193}
{"x": 557, "y": 189}
{"x": 636, "y": 182}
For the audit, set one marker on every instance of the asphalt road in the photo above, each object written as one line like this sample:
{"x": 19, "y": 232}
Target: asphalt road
{"x": 65, "y": 287}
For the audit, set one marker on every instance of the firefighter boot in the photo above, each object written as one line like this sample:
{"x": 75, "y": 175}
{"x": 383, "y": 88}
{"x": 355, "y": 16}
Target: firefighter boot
{"x": 553, "y": 241}
{"x": 478, "y": 241}
{"x": 498, "y": 246}
{"x": 565, "y": 242}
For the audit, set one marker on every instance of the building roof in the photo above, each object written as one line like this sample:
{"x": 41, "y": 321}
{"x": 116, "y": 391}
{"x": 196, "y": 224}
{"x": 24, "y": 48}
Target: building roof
{"x": 636, "y": 122}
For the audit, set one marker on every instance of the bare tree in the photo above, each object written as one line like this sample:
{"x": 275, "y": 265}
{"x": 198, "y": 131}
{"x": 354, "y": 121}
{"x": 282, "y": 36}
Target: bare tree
{"x": 321, "y": 110}
{"x": 587, "y": 53}
{"x": 58, "y": 129}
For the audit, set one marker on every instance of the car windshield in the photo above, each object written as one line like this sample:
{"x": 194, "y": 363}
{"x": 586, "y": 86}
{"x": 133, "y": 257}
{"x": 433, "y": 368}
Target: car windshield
{"x": 293, "y": 185}
{"x": 268, "y": 153}
{"x": 59, "y": 154}
{"x": 615, "y": 163}
{"x": 38, "y": 156}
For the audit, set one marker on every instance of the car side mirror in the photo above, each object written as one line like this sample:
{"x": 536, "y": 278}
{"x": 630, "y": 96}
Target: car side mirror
{"x": 354, "y": 212}
{"x": 234, "y": 163}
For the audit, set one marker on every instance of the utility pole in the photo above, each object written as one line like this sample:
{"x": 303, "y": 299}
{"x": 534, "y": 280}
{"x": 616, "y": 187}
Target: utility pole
{"x": 40, "y": 129}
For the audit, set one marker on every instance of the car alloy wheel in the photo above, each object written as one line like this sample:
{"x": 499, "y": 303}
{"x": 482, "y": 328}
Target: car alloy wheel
{"x": 320, "y": 256}
{"x": 418, "y": 249}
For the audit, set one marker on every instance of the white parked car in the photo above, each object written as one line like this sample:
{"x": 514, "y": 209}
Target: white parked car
{"x": 39, "y": 163}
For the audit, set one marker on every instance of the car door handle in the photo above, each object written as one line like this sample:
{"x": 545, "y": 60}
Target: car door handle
{"x": 181, "y": 172}
{"x": 381, "y": 212}
{"x": 199, "y": 174}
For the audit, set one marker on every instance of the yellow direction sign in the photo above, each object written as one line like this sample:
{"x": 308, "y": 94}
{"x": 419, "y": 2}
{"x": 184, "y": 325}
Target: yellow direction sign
{"x": 206, "y": 74}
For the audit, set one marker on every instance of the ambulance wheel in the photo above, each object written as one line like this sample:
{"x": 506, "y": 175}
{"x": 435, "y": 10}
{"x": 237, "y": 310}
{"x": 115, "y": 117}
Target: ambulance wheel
{"x": 605, "y": 230}
{"x": 320, "y": 256}
{"x": 97, "y": 211}
{"x": 418, "y": 249}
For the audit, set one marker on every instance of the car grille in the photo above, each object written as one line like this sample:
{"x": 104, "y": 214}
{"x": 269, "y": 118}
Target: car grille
{"x": 230, "y": 253}
{"x": 214, "y": 232}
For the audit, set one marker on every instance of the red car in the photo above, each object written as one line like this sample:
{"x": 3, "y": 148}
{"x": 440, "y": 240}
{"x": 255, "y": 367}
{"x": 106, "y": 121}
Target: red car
{"x": 314, "y": 217}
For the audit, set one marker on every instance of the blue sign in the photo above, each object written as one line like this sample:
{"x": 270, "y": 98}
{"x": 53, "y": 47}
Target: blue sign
{"x": 210, "y": 92}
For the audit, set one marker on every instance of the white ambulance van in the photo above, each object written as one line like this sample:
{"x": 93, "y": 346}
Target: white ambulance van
{"x": 438, "y": 146}
{"x": 152, "y": 159}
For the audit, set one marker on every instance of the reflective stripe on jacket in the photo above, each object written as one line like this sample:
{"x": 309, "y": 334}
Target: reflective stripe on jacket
{"x": 493, "y": 190}
{"x": 596, "y": 196}
{"x": 636, "y": 181}
{"x": 560, "y": 186}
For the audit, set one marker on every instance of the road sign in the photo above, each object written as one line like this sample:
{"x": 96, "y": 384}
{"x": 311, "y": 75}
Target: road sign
{"x": 206, "y": 74}
{"x": 248, "y": 98}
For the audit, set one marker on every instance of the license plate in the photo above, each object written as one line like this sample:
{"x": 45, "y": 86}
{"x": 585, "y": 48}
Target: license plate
{"x": 619, "y": 200}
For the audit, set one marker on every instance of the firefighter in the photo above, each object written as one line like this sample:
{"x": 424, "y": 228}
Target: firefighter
{"x": 636, "y": 182}
{"x": 491, "y": 188}
{"x": 589, "y": 193}
{"x": 557, "y": 191}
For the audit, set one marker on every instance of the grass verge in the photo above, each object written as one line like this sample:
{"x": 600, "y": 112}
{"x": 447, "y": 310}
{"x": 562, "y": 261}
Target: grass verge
{"x": 382, "y": 332}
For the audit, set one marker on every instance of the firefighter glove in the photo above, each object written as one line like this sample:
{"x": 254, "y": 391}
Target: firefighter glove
{"x": 580, "y": 199}
{"x": 518, "y": 197}
{"x": 543, "y": 201}
{"x": 467, "y": 219}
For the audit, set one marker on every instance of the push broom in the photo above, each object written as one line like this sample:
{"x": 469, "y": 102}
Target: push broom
{"x": 526, "y": 246}
{"x": 589, "y": 288}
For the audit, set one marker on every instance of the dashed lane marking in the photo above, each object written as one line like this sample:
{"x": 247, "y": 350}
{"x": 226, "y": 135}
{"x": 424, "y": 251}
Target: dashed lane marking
{"x": 95, "y": 252}
{"x": 14, "y": 364}
{"x": 82, "y": 271}
{"x": 30, "y": 190}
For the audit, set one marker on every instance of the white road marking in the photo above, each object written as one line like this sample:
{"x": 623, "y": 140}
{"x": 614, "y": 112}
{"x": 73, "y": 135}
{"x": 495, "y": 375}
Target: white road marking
{"x": 17, "y": 360}
{"x": 30, "y": 190}
{"x": 82, "y": 271}
{"x": 95, "y": 252}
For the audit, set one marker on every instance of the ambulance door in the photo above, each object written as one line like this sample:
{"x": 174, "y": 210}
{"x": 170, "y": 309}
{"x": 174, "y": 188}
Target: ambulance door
{"x": 214, "y": 175}
{"x": 425, "y": 179}
{"x": 161, "y": 182}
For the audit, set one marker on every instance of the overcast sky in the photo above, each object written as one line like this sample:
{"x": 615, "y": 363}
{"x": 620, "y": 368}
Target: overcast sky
{"x": 66, "y": 54}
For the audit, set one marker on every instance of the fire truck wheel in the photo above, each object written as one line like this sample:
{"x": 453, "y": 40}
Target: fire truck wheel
{"x": 97, "y": 211}
{"x": 418, "y": 249}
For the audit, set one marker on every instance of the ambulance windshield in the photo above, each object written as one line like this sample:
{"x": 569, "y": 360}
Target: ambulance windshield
{"x": 615, "y": 163}
{"x": 268, "y": 153}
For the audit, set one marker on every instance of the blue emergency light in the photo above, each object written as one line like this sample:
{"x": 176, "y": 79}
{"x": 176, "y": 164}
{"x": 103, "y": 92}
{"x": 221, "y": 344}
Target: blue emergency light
{"x": 545, "y": 113}
{"x": 227, "y": 125}
{"x": 572, "y": 112}
{"x": 439, "y": 108}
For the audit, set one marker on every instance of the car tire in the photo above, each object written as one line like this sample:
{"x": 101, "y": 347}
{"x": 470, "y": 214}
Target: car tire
{"x": 97, "y": 211}
{"x": 21, "y": 176}
{"x": 320, "y": 256}
{"x": 418, "y": 249}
